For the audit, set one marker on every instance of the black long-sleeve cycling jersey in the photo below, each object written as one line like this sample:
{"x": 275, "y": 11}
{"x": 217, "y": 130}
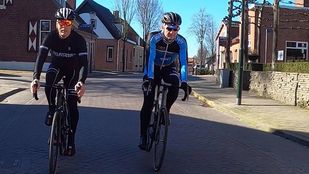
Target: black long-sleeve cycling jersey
{"x": 162, "y": 53}
{"x": 69, "y": 54}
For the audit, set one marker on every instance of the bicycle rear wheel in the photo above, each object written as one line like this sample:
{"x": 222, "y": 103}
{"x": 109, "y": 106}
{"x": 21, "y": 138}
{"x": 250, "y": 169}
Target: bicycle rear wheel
{"x": 54, "y": 143}
{"x": 160, "y": 139}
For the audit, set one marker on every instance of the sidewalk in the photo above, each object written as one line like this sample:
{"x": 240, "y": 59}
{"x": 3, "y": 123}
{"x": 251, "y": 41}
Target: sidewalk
{"x": 258, "y": 112}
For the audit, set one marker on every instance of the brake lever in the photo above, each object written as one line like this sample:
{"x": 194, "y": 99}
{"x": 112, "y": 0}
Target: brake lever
{"x": 186, "y": 97}
{"x": 35, "y": 95}
{"x": 187, "y": 93}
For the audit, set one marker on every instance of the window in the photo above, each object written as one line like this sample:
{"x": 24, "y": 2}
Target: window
{"x": 2, "y": 4}
{"x": 109, "y": 56}
{"x": 45, "y": 28}
{"x": 290, "y": 44}
{"x": 133, "y": 52}
{"x": 61, "y": 2}
{"x": 296, "y": 51}
{"x": 93, "y": 23}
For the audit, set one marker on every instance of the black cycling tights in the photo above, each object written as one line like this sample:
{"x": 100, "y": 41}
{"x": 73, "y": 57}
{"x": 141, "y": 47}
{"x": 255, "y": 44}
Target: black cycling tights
{"x": 53, "y": 76}
{"x": 170, "y": 76}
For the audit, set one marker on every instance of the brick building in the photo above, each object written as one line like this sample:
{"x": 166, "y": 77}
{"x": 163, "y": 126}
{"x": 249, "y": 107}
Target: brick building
{"x": 26, "y": 23}
{"x": 293, "y": 35}
{"x": 108, "y": 48}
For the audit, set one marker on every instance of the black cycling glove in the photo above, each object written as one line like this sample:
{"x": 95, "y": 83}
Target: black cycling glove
{"x": 147, "y": 84}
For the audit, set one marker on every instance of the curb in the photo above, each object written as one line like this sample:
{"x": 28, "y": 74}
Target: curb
{"x": 240, "y": 115}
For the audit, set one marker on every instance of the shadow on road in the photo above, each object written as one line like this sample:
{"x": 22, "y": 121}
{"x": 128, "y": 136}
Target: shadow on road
{"x": 107, "y": 142}
{"x": 8, "y": 75}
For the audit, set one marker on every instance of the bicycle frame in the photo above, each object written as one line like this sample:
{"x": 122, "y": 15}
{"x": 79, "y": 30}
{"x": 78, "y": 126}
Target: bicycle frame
{"x": 160, "y": 103}
{"x": 61, "y": 104}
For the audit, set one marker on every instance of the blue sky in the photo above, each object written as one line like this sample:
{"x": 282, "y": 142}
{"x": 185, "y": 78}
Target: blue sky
{"x": 186, "y": 9}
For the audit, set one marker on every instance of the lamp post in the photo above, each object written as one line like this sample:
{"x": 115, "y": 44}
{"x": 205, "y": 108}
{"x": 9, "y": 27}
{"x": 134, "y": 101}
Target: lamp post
{"x": 241, "y": 54}
{"x": 92, "y": 25}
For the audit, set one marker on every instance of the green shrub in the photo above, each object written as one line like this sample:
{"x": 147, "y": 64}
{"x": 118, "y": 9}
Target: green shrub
{"x": 295, "y": 67}
{"x": 204, "y": 72}
{"x": 247, "y": 67}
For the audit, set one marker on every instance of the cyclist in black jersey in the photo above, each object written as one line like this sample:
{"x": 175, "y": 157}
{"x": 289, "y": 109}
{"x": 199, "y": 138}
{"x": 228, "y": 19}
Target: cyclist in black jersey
{"x": 68, "y": 57}
{"x": 163, "y": 48}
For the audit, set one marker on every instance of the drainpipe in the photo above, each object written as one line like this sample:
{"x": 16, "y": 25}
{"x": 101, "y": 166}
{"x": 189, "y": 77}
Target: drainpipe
{"x": 117, "y": 59}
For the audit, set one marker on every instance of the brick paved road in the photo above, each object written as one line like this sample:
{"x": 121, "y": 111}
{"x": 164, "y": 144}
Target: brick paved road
{"x": 201, "y": 140}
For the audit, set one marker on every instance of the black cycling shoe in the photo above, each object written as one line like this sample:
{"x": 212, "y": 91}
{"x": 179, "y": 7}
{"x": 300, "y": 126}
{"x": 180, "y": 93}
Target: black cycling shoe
{"x": 70, "y": 150}
{"x": 49, "y": 118}
{"x": 143, "y": 143}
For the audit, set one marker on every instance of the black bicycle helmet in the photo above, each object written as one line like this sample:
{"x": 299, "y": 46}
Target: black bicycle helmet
{"x": 65, "y": 13}
{"x": 171, "y": 18}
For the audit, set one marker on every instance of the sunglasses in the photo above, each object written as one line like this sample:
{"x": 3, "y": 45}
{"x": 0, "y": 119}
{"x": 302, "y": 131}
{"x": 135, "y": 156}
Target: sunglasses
{"x": 65, "y": 22}
{"x": 172, "y": 29}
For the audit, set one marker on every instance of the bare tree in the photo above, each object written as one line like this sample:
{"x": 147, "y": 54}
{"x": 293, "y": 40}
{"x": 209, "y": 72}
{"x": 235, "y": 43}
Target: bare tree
{"x": 148, "y": 15}
{"x": 211, "y": 43}
{"x": 259, "y": 27}
{"x": 210, "y": 37}
{"x": 199, "y": 28}
{"x": 126, "y": 10}
{"x": 275, "y": 33}
{"x": 203, "y": 52}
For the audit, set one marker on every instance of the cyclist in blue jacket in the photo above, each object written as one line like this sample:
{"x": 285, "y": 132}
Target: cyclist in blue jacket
{"x": 163, "y": 48}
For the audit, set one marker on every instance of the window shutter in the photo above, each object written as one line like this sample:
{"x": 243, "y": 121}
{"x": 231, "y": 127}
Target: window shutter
{"x": 8, "y": 2}
{"x": 32, "y": 36}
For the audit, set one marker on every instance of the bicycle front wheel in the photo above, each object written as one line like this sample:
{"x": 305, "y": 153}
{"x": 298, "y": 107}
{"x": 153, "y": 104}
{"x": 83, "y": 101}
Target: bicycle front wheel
{"x": 64, "y": 132}
{"x": 151, "y": 129}
{"x": 160, "y": 139}
{"x": 54, "y": 141}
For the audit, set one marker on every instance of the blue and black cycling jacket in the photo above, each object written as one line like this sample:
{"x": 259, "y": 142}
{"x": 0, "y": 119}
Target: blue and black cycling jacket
{"x": 161, "y": 53}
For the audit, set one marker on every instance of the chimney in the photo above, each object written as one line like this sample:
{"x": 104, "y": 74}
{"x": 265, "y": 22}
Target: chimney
{"x": 302, "y": 3}
{"x": 116, "y": 14}
{"x": 72, "y": 3}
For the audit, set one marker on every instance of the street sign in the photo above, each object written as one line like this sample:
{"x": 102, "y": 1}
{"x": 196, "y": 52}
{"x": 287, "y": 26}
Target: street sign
{"x": 280, "y": 55}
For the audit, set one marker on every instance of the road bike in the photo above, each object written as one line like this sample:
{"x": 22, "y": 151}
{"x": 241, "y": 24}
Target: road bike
{"x": 60, "y": 128}
{"x": 157, "y": 130}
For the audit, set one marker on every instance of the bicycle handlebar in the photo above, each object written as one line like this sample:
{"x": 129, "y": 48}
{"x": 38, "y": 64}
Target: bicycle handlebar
{"x": 35, "y": 94}
{"x": 186, "y": 95}
{"x": 56, "y": 86}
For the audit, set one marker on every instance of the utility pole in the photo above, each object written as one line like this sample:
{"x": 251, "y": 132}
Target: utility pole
{"x": 246, "y": 31}
{"x": 275, "y": 33}
{"x": 241, "y": 54}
